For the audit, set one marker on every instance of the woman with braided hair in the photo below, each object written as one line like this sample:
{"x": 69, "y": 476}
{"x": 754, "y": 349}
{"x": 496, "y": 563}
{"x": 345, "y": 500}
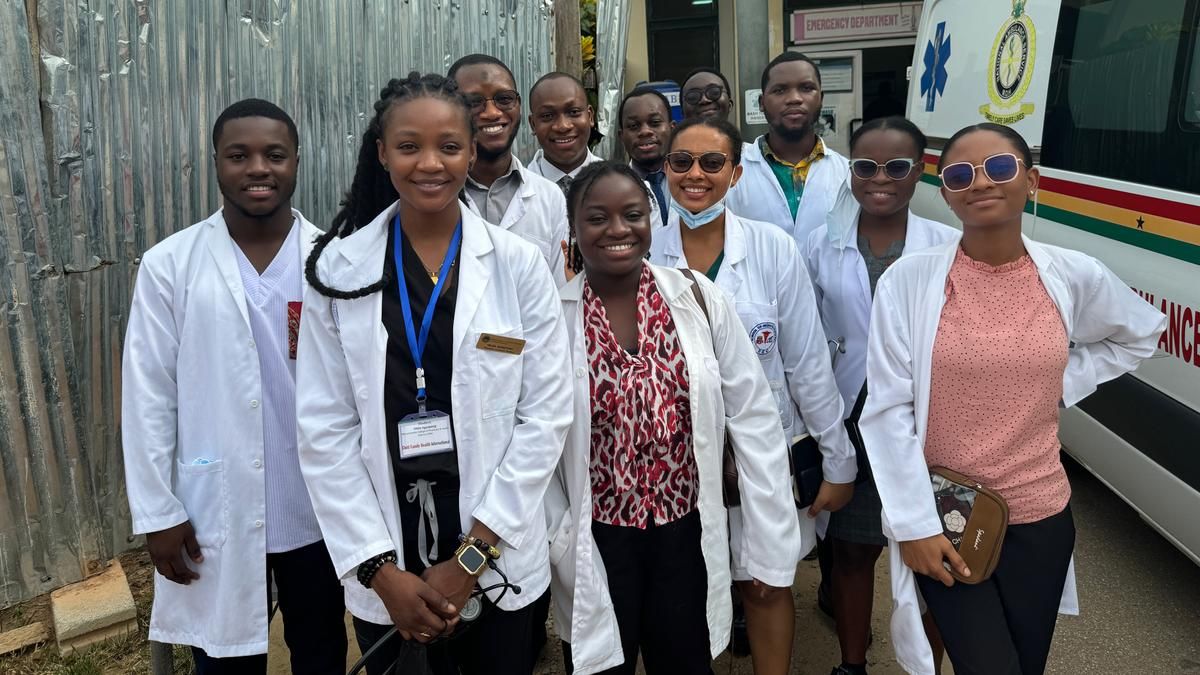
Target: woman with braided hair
{"x": 428, "y": 429}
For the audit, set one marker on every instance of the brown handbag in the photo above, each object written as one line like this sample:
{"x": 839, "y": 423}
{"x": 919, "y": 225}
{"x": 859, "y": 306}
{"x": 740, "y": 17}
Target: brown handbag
{"x": 729, "y": 470}
{"x": 974, "y": 519}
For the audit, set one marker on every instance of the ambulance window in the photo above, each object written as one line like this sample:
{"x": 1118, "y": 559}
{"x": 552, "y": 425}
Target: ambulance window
{"x": 1191, "y": 99}
{"x": 1117, "y": 91}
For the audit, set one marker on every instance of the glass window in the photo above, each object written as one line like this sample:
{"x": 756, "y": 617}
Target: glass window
{"x": 680, "y": 9}
{"x": 1191, "y": 98}
{"x": 1117, "y": 88}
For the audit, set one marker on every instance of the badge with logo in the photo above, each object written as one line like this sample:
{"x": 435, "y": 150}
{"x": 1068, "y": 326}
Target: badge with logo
{"x": 1011, "y": 69}
{"x": 764, "y": 337}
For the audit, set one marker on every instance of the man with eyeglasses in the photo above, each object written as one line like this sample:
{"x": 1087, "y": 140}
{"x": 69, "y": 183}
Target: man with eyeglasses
{"x": 790, "y": 177}
{"x": 499, "y": 188}
{"x": 706, "y": 93}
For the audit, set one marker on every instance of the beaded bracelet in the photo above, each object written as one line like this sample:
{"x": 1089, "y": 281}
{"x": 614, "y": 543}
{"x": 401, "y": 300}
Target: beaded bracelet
{"x": 487, "y": 549}
{"x": 368, "y": 569}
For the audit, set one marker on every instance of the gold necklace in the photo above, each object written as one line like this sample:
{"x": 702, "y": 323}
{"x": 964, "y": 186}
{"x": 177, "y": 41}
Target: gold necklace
{"x": 433, "y": 276}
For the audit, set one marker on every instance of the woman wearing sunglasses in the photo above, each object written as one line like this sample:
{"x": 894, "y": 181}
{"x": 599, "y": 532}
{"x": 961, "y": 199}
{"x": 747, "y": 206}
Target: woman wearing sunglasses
{"x": 868, "y": 229}
{"x": 759, "y": 267}
{"x": 662, "y": 371}
{"x": 974, "y": 347}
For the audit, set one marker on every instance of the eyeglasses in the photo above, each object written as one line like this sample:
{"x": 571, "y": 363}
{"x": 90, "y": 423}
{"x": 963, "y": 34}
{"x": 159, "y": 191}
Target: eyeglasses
{"x": 712, "y": 92}
{"x": 681, "y": 161}
{"x": 1001, "y": 168}
{"x": 896, "y": 169}
{"x": 505, "y": 100}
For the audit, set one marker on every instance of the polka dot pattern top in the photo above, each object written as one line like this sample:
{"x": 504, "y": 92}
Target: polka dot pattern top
{"x": 997, "y": 379}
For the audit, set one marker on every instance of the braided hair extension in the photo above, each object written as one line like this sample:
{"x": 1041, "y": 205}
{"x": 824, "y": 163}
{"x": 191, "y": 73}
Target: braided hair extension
{"x": 372, "y": 191}
{"x": 582, "y": 185}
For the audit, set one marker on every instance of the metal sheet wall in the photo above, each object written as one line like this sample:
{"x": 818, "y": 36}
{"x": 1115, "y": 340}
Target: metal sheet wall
{"x": 612, "y": 38}
{"x": 106, "y": 107}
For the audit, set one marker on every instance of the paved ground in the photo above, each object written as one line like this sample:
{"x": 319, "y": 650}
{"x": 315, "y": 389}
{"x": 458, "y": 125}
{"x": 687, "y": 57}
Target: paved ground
{"x": 1140, "y": 600}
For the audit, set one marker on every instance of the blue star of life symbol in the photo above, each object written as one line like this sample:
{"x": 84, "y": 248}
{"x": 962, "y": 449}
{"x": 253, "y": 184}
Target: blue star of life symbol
{"x": 933, "y": 80}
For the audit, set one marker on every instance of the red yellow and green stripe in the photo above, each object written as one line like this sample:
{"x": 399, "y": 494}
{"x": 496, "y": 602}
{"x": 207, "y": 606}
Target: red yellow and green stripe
{"x": 1167, "y": 227}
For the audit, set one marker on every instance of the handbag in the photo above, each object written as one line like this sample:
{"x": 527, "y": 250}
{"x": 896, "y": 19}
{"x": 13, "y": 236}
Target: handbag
{"x": 856, "y": 437}
{"x": 974, "y": 519}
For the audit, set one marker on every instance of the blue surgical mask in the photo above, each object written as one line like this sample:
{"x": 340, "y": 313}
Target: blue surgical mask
{"x": 695, "y": 221}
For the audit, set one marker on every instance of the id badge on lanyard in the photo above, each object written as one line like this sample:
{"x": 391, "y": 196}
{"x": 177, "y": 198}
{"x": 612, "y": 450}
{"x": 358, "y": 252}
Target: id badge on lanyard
{"x": 425, "y": 432}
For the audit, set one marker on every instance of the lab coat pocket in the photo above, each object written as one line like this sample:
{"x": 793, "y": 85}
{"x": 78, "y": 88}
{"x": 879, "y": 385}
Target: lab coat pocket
{"x": 500, "y": 374}
{"x": 560, "y": 543}
{"x": 201, "y": 489}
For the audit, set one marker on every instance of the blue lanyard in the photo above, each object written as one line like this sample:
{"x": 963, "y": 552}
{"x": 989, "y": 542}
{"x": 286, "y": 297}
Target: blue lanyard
{"x": 416, "y": 343}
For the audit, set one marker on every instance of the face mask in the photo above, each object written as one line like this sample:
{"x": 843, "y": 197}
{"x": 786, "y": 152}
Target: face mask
{"x": 697, "y": 220}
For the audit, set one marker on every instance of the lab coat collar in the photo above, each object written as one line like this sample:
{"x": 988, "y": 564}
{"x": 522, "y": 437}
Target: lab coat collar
{"x": 670, "y": 286}
{"x": 752, "y": 153}
{"x": 735, "y": 239}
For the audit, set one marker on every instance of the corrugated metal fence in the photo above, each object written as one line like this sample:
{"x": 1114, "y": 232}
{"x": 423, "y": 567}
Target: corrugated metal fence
{"x": 105, "y": 112}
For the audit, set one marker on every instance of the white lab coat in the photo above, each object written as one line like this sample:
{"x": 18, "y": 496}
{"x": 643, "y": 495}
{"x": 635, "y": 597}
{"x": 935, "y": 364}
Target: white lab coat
{"x": 843, "y": 289}
{"x": 1111, "y": 330}
{"x": 763, "y": 274}
{"x": 510, "y": 412}
{"x": 757, "y": 195}
{"x": 191, "y": 390}
{"x": 537, "y": 214}
{"x": 728, "y": 393}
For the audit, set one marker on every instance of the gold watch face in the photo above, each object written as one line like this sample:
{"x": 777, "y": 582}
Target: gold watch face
{"x": 472, "y": 560}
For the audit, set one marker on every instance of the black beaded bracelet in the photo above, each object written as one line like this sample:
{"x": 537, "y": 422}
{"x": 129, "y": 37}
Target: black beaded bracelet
{"x": 368, "y": 569}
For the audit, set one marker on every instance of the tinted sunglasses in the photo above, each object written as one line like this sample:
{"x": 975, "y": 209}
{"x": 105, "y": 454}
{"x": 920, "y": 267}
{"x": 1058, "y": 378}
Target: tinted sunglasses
{"x": 504, "y": 100}
{"x": 712, "y": 92}
{"x": 681, "y": 161}
{"x": 896, "y": 169}
{"x": 1001, "y": 168}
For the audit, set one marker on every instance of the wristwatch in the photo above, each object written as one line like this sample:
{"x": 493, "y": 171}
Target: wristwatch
{"x": 471, "y": 559}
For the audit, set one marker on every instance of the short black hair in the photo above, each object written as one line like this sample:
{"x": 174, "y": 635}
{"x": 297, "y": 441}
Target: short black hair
{"x": 556, "y": 75}
{"x": 639, "y": 92}
{"x": 726, "y": 129}
{"x": 707, "y": 69}
{"x": 892, "y": 123}
{"x": 479, "y": 60}
{"x": 1007, "y": 132}
{"x": 788, "y": 57}
{"x": 254, "y": 107}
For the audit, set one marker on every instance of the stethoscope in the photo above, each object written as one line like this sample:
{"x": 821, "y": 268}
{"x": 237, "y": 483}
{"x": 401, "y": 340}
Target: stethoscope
{"x": 472, "y": 610}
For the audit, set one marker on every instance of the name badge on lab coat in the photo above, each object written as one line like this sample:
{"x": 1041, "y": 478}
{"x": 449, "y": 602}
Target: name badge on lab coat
{"x": 425, "y": 433}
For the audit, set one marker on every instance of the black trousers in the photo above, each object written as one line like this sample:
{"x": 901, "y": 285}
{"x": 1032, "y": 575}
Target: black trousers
{"x": 498, "y": 643}
{"x": 659, "y": 588}
{"x": 1004, "y": 625}
{"x": 314, "y": 617}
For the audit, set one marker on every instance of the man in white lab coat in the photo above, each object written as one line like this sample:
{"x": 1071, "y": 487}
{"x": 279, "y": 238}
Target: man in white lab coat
{"x": 499, "y": 188}
{"x": 789, "y": 177}
{"x": 562, "y": 121}
{"x": 209, "y": 417}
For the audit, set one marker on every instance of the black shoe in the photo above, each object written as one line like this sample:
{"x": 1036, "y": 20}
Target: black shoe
{"x": 823, "y": 602}
{"x": 843, "y": 670}
{"x": 739, "y": 639}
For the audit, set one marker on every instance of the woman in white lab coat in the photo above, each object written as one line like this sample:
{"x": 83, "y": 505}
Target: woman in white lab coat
{"x": 431, "y": 397}
{"x": 662, "y": 372}
{"x": 758, "y": 266}
{"x": 974, "y": 346}
{"x": 869, "y": 227}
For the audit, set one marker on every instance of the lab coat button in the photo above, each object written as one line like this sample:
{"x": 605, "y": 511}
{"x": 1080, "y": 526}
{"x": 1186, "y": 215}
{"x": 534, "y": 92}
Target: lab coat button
{"x": 254, "y": 403}
{"x": 258, "y": 523}
{"x": 252, "y": 345}
{"x": 257, "y": 463}
{"x": 579, "y": 372}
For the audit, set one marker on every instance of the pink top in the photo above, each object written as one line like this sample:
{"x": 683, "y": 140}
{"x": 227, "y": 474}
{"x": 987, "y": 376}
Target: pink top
{"x": 997, "y": 380}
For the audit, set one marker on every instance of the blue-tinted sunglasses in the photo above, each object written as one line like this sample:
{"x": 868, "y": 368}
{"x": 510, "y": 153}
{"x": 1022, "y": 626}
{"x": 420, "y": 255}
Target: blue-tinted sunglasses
{"x": 1001, "y": 168}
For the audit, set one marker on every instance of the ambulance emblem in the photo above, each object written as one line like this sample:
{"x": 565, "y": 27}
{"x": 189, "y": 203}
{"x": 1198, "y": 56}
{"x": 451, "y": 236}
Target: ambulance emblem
{"x": 1011, "y": 70}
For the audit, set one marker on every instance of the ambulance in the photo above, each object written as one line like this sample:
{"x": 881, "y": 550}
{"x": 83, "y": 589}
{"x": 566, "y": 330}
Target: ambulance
{"x": 1107, "y": 92}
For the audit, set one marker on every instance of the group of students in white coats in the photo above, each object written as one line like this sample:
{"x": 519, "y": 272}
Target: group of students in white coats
{"x": 491, "y": 400}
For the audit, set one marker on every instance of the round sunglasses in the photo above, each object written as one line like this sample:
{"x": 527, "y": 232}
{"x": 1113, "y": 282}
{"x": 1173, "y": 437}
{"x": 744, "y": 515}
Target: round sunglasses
{"x": 1001, "y": 168}
{"x": 712, "y": 92}
{"x": 681, "y": 161}
{"x": 896, "y": 169}
{"x": 505, "y": 100}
